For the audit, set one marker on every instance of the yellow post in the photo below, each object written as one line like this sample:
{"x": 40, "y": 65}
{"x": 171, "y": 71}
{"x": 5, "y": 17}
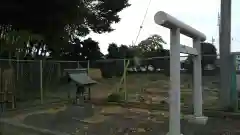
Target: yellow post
{"x": 124, "y": 72}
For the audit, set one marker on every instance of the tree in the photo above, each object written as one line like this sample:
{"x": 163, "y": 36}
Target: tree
{"x": 81, "y": 51}
{"x": 59, "y": 22}
{"x": 209, "y": 56}
{"x": 113, "y": 52}
{"x": 120, "y": 53}
{"x": 22, "y": 44}
{"x": 208, "y": 49}
{"x": 151, "y": 44}
{"x": 152, "y": 47}
{"x": 91, "y": 50}
{"x": 123, "y": 51}
{"x": 71, "y": 17}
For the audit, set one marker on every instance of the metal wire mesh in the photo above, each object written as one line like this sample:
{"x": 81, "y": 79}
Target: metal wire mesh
{"x": 145, "y": 80}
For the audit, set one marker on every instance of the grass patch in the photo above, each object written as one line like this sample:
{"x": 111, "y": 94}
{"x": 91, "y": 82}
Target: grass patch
{"x": 95, "y": 119}
{"x": 113, "y": 110}
{"x": 114, "y": 97}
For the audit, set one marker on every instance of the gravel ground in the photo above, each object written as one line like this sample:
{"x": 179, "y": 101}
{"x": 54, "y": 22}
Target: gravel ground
{"x": 72, "y": 120}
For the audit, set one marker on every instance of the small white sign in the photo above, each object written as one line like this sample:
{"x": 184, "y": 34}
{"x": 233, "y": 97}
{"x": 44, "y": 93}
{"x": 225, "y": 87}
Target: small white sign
{"x": 238, "y": 67}
{"x": 238, "y": 57}
{"x": 237, "y": 61}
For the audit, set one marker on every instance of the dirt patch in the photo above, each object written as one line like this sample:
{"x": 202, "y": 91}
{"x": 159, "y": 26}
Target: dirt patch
{"x": 133, "y": 121}
{"x": 160, "y": 113}
{"x": 95, "y": 73}
{"x": 113, "y": 110}
{"x": 137, "y": 110}
{"x": 56, "y": 110}
{"x": 152, "y": 87}
{"x": 21, "y": 117}
{"x": 156, "y": 120}
{"x": 97, "y": 118}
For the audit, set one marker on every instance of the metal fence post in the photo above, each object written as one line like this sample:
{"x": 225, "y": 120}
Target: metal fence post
{"x": 89, "y": 89}
{"x": 17, "y": 68}
{"x": 124, "y": 80}
{"x": 88, "y": 66}
{"x": 41, "y": 80}
{"x": 59, "y": 70}
{"x": 78, "y": 64}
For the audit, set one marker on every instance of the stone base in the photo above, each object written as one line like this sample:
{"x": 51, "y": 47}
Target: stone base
{"x": 202, "y": 120}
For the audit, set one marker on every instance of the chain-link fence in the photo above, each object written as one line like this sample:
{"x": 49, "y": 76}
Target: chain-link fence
{"x": 147, "y": 80}
{"x": 24, "y": 78}
{"x": 133, "y": 80}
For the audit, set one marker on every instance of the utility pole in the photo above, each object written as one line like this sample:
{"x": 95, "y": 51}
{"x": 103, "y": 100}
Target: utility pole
{"x": 225, "y": 50}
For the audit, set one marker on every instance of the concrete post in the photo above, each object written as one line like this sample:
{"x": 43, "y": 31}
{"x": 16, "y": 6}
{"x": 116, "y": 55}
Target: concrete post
{"x": 177, "y": 27}
{"x": 197, "y": 80}
{"x": 225, "y": 49}
{"x": 198, "y": 116}
{"x": 174, "y": 101}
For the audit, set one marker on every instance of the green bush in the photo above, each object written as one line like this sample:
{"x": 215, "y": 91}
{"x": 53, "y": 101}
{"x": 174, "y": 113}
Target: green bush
{"x": 114, "y": 97}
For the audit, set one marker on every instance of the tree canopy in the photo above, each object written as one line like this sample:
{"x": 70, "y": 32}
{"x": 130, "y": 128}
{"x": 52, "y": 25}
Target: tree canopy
{"x": 57, "y": 22}
{"x": 209, "y": 56}
{"x": 87, "y": 49}
{"x": 113, "y": 51}
{"x": 61, "y": 19}
{"x": 153, "y": 43}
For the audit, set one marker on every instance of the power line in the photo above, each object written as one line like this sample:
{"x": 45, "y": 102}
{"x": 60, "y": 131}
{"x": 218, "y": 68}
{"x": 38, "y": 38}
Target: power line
{"x": 141, "y": 26}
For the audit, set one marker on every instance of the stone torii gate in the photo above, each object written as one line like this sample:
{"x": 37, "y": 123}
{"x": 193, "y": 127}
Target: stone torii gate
{"x": 176, "y": 27}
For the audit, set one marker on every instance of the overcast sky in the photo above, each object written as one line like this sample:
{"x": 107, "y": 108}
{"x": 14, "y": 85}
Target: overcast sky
{"x": 200, "y": 14}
